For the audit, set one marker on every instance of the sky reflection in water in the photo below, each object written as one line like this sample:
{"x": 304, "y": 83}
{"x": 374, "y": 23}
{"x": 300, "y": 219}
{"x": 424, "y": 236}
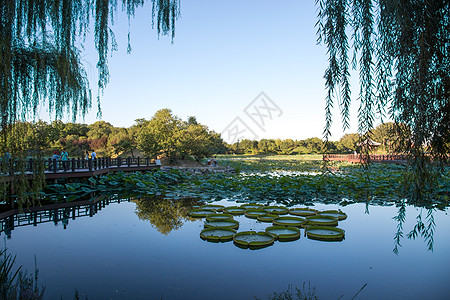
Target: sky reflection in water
{"x": 114, "y": 255}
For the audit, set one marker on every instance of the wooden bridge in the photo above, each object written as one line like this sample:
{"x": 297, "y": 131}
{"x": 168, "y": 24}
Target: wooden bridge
{"x": 75, "y": 168}
{"x": 359, "y": 158}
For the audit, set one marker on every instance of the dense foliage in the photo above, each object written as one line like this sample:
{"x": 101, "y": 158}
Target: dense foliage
{"x": 165, "y": 134}
{"x": 390, "y": 135}
{"x": 402, "y": 52}
{"x": 40, "y": 46}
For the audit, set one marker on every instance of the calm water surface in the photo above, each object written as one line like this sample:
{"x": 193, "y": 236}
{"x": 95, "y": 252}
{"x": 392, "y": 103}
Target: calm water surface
{"x": 115, "y": 255}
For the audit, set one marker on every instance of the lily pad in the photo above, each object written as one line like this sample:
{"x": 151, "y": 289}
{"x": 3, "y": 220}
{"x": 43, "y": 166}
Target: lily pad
{"x": 219, "y": 217}
{"x": 267, "y": 218}
{"x": 289, "y": 221}
{"x": 201, "y": 213}
{"x": 325, "y": 233}
{"x": 212, "y": 207}
{"x": 254, "y": 213}
{"x": 234, "y": 210}
{"x": 253, "y": 239}
{"x": 276, "y": 210}
{"x": 283, "y": 233}
{"x": 322, "y": 220}
{"x": 340, "y": 215}
{"x": 251, "y": 206}
{"x": 229, "y": 223}
{"x": 303, "y": 212}
{"x": 213, "y": 234}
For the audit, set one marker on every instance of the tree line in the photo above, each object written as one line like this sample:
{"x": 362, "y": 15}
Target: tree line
{"x": 392, "y": 137}
{"x": 167, "y": 135}
{"x": 164, "y": 134}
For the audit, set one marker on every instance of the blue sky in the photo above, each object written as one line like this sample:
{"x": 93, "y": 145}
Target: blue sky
{"x": 225, "y": 53}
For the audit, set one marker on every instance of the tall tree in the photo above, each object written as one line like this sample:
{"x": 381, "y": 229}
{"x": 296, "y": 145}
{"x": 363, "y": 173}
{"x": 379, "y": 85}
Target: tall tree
{"x": 402, "y": 51}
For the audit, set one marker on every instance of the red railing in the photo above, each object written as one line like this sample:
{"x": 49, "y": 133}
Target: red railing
{"x": 398, "y": 158}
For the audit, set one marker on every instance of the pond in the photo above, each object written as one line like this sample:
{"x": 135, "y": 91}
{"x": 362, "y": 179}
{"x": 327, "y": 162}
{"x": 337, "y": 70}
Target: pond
{"x": 150, "y": 249}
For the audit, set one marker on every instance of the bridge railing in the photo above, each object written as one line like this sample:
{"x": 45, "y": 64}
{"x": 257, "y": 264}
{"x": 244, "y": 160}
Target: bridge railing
{"x": 363, "y": 157}
{"x": 12, "y": 166}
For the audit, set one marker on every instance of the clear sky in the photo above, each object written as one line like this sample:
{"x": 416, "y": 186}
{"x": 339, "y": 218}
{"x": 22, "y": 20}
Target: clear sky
{"x": 225, "y": 53}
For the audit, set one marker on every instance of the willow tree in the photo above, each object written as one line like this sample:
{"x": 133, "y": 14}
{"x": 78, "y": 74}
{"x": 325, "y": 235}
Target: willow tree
{"x": 402, "y": 52}
{"x": 40, "y": 46}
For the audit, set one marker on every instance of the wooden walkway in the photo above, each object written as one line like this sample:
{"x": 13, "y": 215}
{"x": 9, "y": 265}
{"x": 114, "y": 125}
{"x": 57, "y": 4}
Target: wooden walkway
{"x": 77, "y": 168}
{"x": 377, "y": 158}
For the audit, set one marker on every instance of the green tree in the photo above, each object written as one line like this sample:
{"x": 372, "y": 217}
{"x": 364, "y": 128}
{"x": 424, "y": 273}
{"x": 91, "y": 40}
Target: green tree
{"x": 158, "y": 136}
{"x": 348, "y": 142}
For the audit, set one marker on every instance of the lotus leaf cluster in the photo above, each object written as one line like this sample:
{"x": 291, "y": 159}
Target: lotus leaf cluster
{"x": 221, "y": 227}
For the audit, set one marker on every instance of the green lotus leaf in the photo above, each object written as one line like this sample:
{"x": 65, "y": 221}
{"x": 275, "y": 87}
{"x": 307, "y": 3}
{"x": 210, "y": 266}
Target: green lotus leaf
{"x": 219, "y": 217}
{"x": 253, "y": 240}
{"x": 340, "y": 215}
{"x": 303, "y": 212}
{"x": 228, "y": 223}
{"x": 325, "y": 233}
{"x": 276, "y": 210}
{"x": 200, "y": 213}
{"x": 234, "y": 210}
{"x": 267, "y": 218}
{"x": 254, "y": 213}
{"x": 283, "y": 233}
{"x": 320, "y": 220}
{"x": 212, "y": 207}
{"x": 217, "y": 234}
{"x": 289, "y": 221}
{"x": 251, "y": 206}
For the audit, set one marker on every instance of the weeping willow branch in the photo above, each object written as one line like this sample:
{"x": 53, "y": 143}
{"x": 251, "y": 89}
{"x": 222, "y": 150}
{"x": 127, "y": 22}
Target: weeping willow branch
{"x": 40, "y": 46}
{"x": 402, "y": 52}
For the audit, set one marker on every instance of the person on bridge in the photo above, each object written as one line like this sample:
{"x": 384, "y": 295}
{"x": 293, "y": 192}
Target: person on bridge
{"x": 65, "y": 159}
{"x": 54, "y": 161}
{"x": 93, "y": 155}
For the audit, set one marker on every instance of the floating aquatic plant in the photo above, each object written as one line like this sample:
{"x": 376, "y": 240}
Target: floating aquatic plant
{"x": 289, "y": 221}
{"x": 217, "y": 234}
{"x": 283, "y": 233}
{"x": 325, "y": 233}
{"x": 322, "y": 220}
{"x": 340, "y": 215}
{"x": 253, "y": 240}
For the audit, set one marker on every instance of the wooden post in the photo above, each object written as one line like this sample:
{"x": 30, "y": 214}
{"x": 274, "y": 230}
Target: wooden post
{"x": 73, "y": 164}
{"x": 139, "y": 161}
{"x": 90, "y": 164}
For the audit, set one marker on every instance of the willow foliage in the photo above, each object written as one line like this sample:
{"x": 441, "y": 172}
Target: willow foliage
{"x": 402, "y": 52}
{"x": 40, "y": 46}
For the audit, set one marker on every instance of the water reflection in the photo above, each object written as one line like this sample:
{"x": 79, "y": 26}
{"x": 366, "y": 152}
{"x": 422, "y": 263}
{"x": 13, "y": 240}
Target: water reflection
{"x": 165, "y": 215}
{"x": 423, "y": 228}
{"x": 56, "y": 213}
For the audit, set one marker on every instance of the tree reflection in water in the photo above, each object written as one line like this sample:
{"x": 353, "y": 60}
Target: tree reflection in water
{"x": 424, "y": 228}
{"x": 165, "y": 215}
